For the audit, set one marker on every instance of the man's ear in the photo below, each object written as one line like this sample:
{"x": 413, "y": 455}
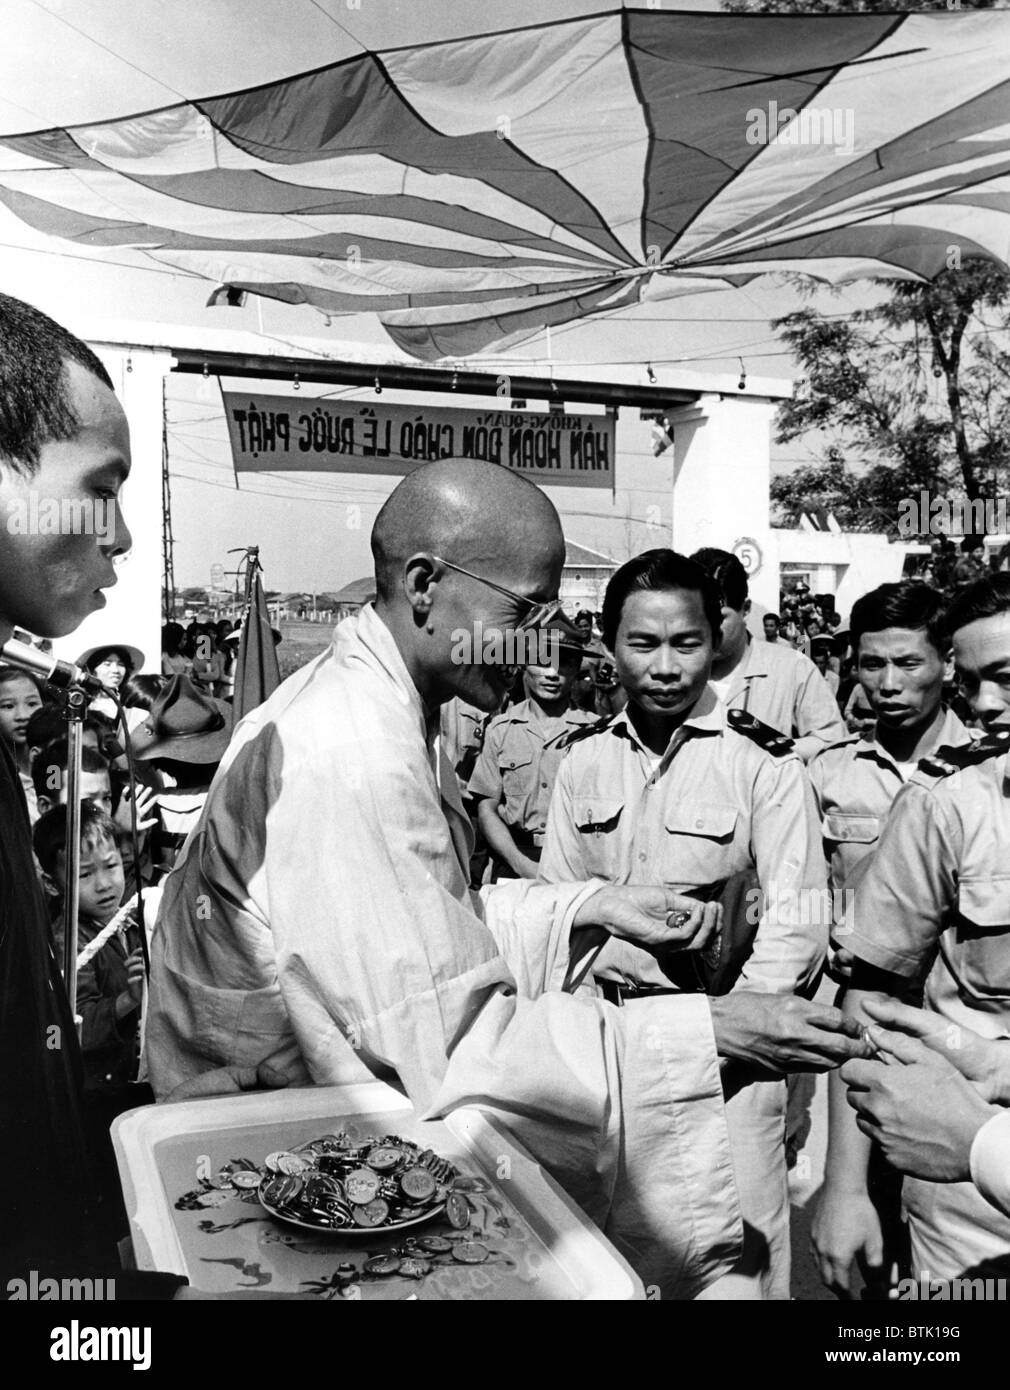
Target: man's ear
{"x": 745, "y": 610}
{"x": 419, "y": 581}
{"x": 45, "y": 804}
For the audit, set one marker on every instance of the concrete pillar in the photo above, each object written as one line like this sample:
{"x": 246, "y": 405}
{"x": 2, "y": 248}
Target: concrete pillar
{"x": 133, "y": 611}
{"x": 722, "y": 468}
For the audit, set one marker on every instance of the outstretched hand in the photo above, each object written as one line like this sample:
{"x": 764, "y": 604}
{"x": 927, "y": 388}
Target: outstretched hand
{"x": 656, "y": 919}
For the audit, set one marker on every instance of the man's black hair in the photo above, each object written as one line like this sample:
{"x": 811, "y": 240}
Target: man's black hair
{"x": 728, "y": 573}
{"x": 907, "y": 604}
{"x": 985, "y": 598}
{"x": 35, "y": 404}
{"x": 659, "y": 570}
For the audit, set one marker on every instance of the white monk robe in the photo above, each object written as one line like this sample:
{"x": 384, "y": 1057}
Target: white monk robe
{"x": 319, "y": 919}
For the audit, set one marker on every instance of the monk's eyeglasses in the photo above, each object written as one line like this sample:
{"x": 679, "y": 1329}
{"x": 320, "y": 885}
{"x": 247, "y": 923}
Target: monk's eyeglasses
{"x": 540, "y": 614}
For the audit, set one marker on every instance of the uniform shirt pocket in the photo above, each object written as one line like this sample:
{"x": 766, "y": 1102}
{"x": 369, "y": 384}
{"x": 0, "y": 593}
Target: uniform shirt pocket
{"x": 709, "y": 820}
{"x": 515, "y": 771}
{"x": 699, "y": 845}
{"x": 597, "y": 819}
{"x": 846, "y": 828}
{"x": 983, "y": 936}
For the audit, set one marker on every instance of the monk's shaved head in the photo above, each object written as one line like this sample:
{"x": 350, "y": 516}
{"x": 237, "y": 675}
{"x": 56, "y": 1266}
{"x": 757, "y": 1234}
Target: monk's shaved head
{"x": 505, "y": 535}
{"x": 476, "y": 514}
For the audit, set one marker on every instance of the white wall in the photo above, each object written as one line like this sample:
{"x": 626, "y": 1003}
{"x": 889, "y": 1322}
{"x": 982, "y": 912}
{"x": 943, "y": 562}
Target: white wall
{"x": 848, "y": 564}
{"x": 721, "y": 483}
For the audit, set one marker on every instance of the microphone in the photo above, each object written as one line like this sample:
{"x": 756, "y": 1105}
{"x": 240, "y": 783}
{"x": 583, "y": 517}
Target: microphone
{"x": 61, "y": 674}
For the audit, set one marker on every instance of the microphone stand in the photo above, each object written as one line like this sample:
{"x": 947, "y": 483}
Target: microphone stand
{"x": 75, "y": 710}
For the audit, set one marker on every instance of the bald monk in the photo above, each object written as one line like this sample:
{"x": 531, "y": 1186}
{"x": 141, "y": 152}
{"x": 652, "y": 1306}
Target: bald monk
{"x": 319, "y": 918}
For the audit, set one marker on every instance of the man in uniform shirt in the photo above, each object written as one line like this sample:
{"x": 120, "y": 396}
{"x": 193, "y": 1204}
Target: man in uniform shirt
{"x": 514, "y": 776}
{"x": 899, "y": 643}
{"x": 319, "y": 917}
{"x": 932, "y": 913}
{"x": 678, "y": 789}
{"x": 778, "y": 685}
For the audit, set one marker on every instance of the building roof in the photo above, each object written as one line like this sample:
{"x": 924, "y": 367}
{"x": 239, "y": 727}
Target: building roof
{"x": 359, "y": 591}
{"x": 581, "y": 557}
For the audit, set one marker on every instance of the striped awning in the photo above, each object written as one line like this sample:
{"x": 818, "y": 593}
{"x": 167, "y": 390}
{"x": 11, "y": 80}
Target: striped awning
{"x": 472, "y": 191}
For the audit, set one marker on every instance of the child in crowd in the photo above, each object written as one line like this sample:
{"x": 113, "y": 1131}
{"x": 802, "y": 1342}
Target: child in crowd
{"x": 20, "y": 698}
{"x": 49, "y": 776}
{"x": 109, "y": 987}
{"x": 104, "y": 786}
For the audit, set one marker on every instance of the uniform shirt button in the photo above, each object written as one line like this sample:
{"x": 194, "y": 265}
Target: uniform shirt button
{"x": 642, "y": 856}
{"x": 544, "y": 785}
{"x": 699, "y": 825}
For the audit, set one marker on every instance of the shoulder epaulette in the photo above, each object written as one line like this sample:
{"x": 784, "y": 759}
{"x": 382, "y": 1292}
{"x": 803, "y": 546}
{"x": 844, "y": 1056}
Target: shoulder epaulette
{"x": 778, "y": 745}
{"x": 949, "y": 759}
{"x": 584, "y": 731}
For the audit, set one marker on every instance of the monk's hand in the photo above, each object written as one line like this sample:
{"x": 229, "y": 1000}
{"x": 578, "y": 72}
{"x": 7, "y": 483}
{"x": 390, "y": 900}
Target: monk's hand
{"x": 229, "y": 1081}
{"x": 919, "y": 1108}
{"x": 779, "y": 1033}
{"x": 982, "y": 1060}
{"x": 657, "y": 919}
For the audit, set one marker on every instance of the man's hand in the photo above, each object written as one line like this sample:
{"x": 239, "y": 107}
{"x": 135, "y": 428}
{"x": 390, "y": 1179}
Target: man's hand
{"x": 780, "y": 1033}
{"x": 981, "y": 1060}
{"x": 846, "y": 1227}
{"x": 921, "y": 1111}
{"x": 227, "y": 1081}
{"x": 651, "y": 917}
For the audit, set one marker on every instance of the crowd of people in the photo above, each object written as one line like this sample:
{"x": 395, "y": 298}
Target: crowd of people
{"x": 617, "y": 927}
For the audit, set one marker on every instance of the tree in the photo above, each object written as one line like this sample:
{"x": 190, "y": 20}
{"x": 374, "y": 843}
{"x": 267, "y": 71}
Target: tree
{"x": 873, "y": 381}
{"x": 867, "y": 379}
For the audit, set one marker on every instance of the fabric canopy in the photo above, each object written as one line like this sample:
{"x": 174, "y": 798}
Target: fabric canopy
{"x": 475, "y": 190}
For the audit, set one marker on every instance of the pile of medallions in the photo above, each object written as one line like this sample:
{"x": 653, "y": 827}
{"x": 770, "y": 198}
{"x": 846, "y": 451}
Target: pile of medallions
{"x": 336, "y": 1183}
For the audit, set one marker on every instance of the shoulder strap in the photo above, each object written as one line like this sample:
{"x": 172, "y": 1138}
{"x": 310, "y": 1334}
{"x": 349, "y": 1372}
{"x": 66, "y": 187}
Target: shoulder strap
{"x": 777, "y": 744}
{"x": 950, "y": 759}
{"x": 584, "y": 731}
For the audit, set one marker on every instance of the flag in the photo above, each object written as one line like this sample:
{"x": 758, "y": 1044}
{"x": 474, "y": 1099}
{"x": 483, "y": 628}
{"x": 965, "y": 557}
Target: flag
{"x": 257, "y": 673}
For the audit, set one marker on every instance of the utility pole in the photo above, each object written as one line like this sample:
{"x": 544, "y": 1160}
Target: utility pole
{"x": 167, "y": 539}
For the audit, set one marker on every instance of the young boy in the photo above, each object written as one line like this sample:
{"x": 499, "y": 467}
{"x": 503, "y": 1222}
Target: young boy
{"x": 514, "y": 776}
{"x": 109, "y": 987}
{"x": 49, "y": 777}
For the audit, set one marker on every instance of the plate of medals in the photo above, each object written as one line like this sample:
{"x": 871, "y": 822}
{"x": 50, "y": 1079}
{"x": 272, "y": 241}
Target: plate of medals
{"x": 355, "y": 1187}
